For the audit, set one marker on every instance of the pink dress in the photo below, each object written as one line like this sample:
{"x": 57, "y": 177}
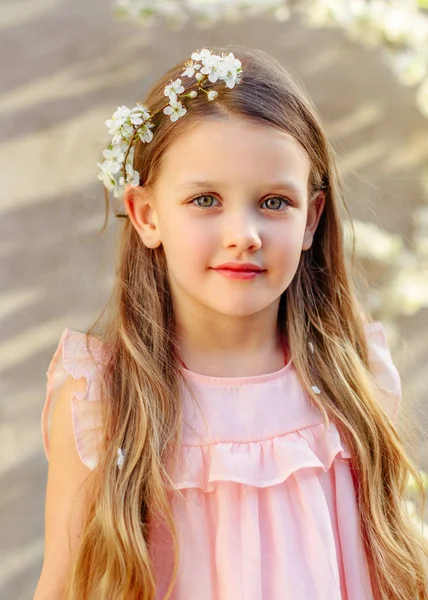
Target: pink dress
{"x": 269, "y": 510}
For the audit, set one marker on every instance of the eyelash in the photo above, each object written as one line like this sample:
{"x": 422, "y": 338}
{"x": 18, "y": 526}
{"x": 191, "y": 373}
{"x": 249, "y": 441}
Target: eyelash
{"x": 193, "y": 201}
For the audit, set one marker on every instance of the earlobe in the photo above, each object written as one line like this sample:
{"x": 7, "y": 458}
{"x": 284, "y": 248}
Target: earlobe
{"x": 138, "y": 202}
{"x": 315, "y": 209}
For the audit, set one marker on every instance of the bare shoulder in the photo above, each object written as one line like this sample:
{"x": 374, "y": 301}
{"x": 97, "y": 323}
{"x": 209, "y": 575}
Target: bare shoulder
{"x": 67, "y": 496}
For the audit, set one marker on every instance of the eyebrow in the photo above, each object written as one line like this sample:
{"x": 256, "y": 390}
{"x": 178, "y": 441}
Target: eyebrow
{"x": 207, "y": 183}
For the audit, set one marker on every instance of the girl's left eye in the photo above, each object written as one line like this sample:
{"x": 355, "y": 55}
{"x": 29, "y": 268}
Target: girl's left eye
{"x": 275, "y": 207}
{"x": 280, "y": 198}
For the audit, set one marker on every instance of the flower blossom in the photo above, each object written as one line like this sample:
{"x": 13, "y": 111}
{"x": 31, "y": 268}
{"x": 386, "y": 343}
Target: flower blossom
{"x": 173, "y": 89}
{"x": 175, "y": 110}
{"x": 190, "y": 69}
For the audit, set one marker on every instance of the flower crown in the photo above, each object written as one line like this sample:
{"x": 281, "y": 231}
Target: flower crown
{"x": 128, "y": 125}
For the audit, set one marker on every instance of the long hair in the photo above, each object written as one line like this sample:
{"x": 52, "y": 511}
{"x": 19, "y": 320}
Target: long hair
{"x": 141, "y": 383}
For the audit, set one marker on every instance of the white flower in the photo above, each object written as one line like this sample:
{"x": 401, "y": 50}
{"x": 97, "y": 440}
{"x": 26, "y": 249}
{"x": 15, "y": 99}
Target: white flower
{"x": 188, "y": 72}
{"x": 232, "y": 67}
{"x": 139, "y": 114}
{"x": 120, "y": 457}
{"x": 173, "y": 89}
{"x": 120, "y": 125}
{"x": 114, "y": 159}
{"x": 213, "y": 67}
{"x": 190, "y": 69}
{"x": 204, "y": 53}
{"x": 118, "y": 119}
{"x": 225, "y": 68}
{"x": 175, "y": 110}
{"x": 316, "y": 390}
{"x": 212, "y": 95}
{"x": 145, "y": 134}
{"x": 132, "y": 177}
{"x": 107, "y": 178}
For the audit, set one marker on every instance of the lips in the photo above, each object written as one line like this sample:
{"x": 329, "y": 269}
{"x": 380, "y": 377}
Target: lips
{"x": 239, "y": 271}
{"x": 239, "y": 267}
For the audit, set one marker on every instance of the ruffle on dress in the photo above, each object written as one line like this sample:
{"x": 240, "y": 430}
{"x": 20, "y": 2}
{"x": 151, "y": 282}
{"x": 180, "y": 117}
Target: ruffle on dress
{"x": 259, "y": 463}
{"x": 263, "y": 462}
{"x": 383, "y": 369}
{"x": 73, "y": 358}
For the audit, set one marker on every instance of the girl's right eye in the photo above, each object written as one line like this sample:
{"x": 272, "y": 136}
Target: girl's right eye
{"x": 202, "y": 197}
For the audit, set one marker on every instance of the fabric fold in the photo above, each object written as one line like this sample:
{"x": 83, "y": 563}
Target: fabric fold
{"x": 72, "y": 358}
{"x": 260, "y": 463}
{"x": 383, "y": 369}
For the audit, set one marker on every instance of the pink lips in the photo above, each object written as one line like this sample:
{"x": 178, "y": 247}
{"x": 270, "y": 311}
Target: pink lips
{"x": 233, "y": 270}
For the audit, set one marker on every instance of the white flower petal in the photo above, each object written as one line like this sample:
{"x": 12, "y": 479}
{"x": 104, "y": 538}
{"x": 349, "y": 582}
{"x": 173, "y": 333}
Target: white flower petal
{"x": 203, "y": 54}
{"x": 188, "y": 72}
{"x": 136, "y": 120}
{"x": 173, "y": 96}
{"x": 146, "y": 135}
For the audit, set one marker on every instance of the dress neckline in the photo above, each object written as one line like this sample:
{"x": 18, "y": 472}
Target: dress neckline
{"x": 238, "y": 380}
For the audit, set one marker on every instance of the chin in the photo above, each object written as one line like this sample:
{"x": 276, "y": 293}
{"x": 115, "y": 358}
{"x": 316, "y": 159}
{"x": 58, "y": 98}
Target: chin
{"x": 238, "y": 310}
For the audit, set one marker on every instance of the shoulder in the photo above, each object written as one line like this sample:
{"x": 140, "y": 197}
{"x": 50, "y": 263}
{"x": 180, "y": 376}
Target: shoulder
{"x": 73, "y": 393}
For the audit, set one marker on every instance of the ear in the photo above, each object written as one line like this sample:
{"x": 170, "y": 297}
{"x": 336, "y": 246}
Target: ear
{"x": 315, "y": 207}
{"x": 139, "y": 205}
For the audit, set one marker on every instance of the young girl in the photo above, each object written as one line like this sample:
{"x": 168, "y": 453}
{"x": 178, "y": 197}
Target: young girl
{"x": 227, "y": 431}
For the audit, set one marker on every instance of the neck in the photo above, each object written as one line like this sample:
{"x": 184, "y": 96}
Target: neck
{"x": 230, "y": 346}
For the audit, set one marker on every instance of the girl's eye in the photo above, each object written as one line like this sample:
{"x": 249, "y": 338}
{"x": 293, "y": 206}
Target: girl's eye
{"x": 203, "y": 204}
{"x": 276, "y": 202}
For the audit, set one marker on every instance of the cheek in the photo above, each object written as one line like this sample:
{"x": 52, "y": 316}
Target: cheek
{"x": 287, "y": 249}
{"x": 188, "y": 243}
{"x": 290, "y": 237}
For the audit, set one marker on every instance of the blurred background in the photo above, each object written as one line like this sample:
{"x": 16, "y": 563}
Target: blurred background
{"x": 67, "y": 65}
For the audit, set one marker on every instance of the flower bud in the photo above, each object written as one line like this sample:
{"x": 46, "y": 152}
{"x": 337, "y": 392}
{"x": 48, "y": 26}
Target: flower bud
{"x": 193, "y": 94}
{"x": 212, "y": 95}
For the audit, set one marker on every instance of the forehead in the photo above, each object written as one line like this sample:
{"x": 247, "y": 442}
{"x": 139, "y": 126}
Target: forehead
{"x": 231, "y": 149}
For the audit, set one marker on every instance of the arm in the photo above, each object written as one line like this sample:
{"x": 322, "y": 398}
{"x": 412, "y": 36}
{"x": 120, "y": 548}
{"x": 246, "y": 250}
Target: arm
{"x": 66, "y": 498}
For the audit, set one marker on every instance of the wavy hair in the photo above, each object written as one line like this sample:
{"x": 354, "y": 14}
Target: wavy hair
{"x": 142, "y": 381}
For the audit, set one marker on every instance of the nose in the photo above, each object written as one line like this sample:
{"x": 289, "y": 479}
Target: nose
{"x": 242, "y": 233}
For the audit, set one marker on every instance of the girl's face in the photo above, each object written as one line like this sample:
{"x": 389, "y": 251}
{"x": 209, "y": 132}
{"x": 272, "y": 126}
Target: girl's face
{"x": 230, "y": 191}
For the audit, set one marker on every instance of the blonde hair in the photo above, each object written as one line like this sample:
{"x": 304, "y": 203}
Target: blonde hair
{"x": 142, "y": 382}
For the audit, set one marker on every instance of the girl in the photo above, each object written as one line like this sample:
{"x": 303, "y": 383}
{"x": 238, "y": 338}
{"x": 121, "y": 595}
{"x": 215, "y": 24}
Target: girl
{"x": 228, "y": 430}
